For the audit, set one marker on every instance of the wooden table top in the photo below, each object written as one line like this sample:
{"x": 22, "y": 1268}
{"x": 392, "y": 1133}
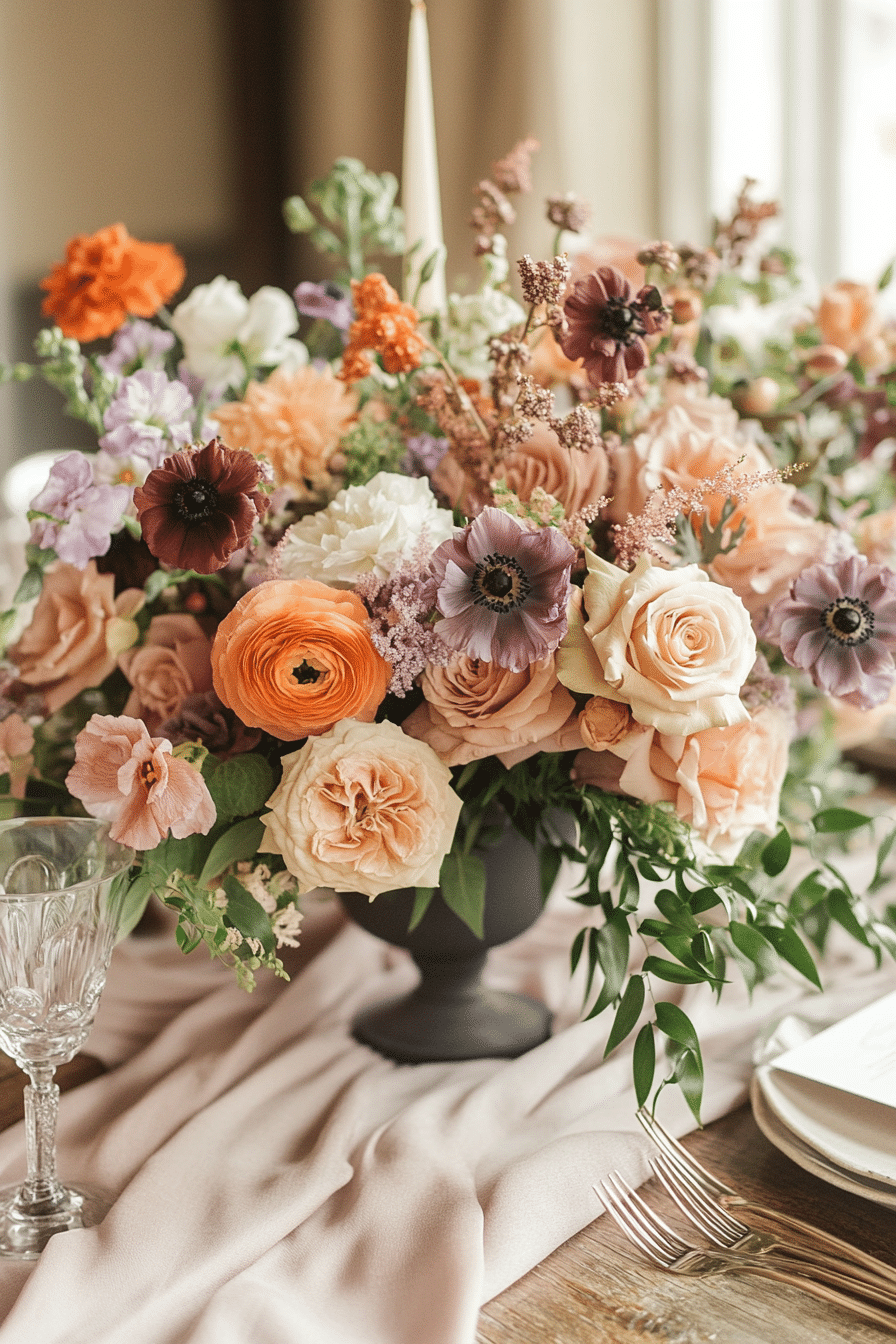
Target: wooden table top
{"x": 598, "y": 1289}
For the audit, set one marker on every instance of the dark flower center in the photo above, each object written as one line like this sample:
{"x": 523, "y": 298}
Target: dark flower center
{"x": 619, "y": 321}
{"x": 500, "y": 583}
{"x": 148, "y": 774}
{"x": 848, "y": 620}
{"x": 305, "y": 674}
{"x": 195, "y": 500}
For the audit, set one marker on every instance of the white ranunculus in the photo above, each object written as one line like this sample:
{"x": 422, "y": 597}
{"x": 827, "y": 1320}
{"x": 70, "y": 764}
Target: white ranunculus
{"x": 670, "y": 643}
{"x": 218, "y": 316}
{"x": 362, "y": 808}
{"x": 366, "y": 529}
{"x": 472, "y": 320}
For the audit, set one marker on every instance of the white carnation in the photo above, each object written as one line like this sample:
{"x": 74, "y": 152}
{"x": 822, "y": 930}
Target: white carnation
{"x": 472, "y": 321}
{"x": 217, "y": 316}
{"x": 366, "y": 529}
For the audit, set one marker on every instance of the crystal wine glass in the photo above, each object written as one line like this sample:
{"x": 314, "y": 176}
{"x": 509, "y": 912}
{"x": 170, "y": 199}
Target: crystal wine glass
{"x": 62, "y": 888}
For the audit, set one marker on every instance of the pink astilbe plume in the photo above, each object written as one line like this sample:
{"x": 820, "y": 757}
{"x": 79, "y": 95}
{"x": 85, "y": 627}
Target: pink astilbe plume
{"x": 654, "y": 527}
{"x": 400, "y": 626}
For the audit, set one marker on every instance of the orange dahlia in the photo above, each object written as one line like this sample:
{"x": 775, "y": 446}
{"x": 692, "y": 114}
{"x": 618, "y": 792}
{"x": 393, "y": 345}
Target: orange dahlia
{"x": 106, "y": 277}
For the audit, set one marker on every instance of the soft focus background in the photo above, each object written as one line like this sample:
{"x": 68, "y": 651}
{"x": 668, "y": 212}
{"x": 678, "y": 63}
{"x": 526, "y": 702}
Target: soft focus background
{"x": 191, "y": 120}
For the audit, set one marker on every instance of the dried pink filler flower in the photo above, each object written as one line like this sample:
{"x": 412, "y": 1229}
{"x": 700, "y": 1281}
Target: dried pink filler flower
{"x": 607, "y": 322}
{"x": 502, "y": 590}
{"x": 839, "y": 625}
{"x": 131, "y": 780}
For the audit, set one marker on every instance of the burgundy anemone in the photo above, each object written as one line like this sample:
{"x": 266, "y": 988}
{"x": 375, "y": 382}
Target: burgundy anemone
{"x": 200, "y": 506}
{"x": 607, "y": 323}
{"x": 502, "y": 590}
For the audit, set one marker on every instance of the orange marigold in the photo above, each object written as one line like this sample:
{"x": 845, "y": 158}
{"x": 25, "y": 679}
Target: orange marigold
{"x": 383, "y": 324}
{"x": 295, "y": 420}
{"x": 105, "y": 277}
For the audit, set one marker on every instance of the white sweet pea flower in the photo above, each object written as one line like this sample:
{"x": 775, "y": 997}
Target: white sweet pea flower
{"x": 217, "y": 321}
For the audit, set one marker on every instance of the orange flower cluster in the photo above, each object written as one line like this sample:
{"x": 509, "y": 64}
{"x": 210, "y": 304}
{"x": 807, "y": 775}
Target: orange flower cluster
{"x": 383, "y": 324}
{"x": 107, "y": 276}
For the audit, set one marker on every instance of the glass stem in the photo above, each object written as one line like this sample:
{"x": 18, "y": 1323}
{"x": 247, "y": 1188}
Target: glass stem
{"x": 41, "y": 1191}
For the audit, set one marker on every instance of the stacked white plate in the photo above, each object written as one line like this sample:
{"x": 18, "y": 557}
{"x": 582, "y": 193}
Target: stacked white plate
{"x": 846, "y": 1140}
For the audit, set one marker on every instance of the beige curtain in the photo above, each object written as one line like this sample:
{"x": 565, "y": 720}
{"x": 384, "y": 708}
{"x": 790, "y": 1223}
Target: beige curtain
{"x": 577, "y": 74}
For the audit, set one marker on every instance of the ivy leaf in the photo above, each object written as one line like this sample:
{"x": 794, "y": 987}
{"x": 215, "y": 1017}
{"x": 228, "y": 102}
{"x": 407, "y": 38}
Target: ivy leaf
{"x": 837, "y": 819}
{"x": 644, "y": 1063}
{"x": 462, "y": 880}
{"x": 238, "y": 842}
{"x": 627, "y": 1013}
{"x": 775, "y": 855}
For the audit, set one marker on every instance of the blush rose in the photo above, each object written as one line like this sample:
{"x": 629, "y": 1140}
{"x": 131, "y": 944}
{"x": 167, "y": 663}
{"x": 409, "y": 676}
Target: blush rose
{"x": 362, "y": 808}
{"x": 173, "y": 662}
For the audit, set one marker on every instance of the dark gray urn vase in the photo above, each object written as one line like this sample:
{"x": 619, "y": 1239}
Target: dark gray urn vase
{"x": 450, "y": 1014}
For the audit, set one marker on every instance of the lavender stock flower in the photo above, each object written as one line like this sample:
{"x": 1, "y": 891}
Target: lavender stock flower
{"x": 148, "y": 416}
{"x": 76, "y": 517}
{"x": 502, "y": 590}
{"x": 137, "y": 345}
{"x": 839, "y": 625}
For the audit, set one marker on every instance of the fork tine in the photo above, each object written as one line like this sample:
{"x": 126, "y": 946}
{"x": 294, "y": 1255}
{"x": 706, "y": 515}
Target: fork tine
{"x": 634, "y": 1216}
{"x": 679, "y": 1156}
{"x": 711, "y": 1220}
{"x": 621, "y": 1215}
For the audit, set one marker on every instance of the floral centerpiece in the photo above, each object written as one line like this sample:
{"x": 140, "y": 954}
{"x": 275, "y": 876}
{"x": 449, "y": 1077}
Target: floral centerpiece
{"x": 616, "y": 542}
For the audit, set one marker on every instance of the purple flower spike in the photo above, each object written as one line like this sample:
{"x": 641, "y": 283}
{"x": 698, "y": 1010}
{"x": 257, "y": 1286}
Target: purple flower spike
{"x": 502, "y": 590}
{"x": 328, "y": 301}
{"x": 839, "y": 625}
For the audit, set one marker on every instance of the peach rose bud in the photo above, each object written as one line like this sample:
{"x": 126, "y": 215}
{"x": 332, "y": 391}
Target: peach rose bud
{"x": 604, "y": 722}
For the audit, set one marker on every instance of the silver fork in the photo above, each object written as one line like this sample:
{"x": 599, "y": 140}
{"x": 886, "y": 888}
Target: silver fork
{"x": 718, "y": 1226}
{"x": 715, "y": 1189}
{"x": 667, "y": 1249}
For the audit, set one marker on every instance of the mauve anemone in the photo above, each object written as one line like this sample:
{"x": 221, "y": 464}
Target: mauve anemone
{"x": 502, "y": 590}
{"x": 607, "y": 322}
{"x": 199, "y": 507}
{"x": 839, "y": 625}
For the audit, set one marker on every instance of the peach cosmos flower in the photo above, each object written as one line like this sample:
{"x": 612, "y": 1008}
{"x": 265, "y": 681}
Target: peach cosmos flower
{"x": 574, "y": 478}
{"x": 474, "y": 709}
{"x": 294, "y": 657}
{"x": 671, "y": 644}
{"x": 131, "y": 780}
{"x": 362, "y": 808}
{"x": 725, "y": 782}
{"x": 105, "y": 277}
{"x": 173, "y": 662}
{"x": 294, "y": 419}
{"x": 75, "y": 633}
{"x": 16, "y": 760}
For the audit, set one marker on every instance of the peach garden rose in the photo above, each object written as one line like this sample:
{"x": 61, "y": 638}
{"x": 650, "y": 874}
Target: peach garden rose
{"x": 362, "y": 808}
{"x": 671, "y": 644}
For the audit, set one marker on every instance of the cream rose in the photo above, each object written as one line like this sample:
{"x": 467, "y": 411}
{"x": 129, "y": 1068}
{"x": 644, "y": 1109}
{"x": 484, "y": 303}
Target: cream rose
{"x": 725, "y": 782}
{"x": 669, "y": 643}
{"x": 362, "y": 808}
{"x": 474, "y": 709}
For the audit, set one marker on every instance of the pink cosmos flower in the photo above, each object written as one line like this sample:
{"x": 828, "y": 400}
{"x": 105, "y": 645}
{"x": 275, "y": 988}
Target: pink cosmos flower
{"x": 130, "y": 779}
{"x": 502, "y": 590}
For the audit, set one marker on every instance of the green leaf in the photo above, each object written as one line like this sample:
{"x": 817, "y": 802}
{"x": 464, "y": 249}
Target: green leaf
{"x": 776, "y": 854}
{"x": 789, "y": 945}
{"x": 689, "y": 1077}
{"x": 644, "y": 1063}
{"x": 187, "y": 940}
{"x": 462, "y": 879}
{"x": 237, "y": 843}
{"x": 840, "y": 907}
{"x": 241, "y": 785}
{"x": 160, "y": 579}
{"x": 187, "y": 855}
{"x": 134, "y": 903}
{"x": 30, "y": 586}
{"x": 246, "y": 914}
{"x": 837, "y": 819}
{"x": 297, "y": 216}
{"x": 575, "y": 952}
{"x": 808, "y": 892}
{"x": 675, "y": 911}
{"x": 627, "y": 1013}
{"x": 422, "y": 898}
{"x": 675, "y": 1023}
{"x": 753, "y": 945}
{"x": 612, "y": 953}
{"x": 549, "y": 860}
{"x": 672, "y": 972}
{"x": 886, "y": 278}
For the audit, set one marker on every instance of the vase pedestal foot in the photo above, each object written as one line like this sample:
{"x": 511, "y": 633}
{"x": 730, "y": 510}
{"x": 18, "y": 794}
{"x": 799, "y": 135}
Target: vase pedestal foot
{"x": 419, "y": 1028}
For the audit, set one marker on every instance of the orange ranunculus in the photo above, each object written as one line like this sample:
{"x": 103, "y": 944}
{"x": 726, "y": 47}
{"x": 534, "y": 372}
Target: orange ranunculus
{"x": 384, "y": 324}
{"x": 106, "y": 277}
{"x": 294, "y": 658}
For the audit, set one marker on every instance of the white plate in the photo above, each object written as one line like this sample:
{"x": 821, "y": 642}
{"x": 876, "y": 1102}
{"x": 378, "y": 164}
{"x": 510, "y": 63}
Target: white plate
{"x": 844, "y": 1139}
{"x": 812, "y": 1161}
